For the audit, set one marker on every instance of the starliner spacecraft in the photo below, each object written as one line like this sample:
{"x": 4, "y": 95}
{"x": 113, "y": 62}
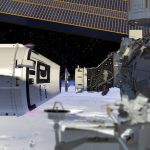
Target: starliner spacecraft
{"x": 27, "y": 79}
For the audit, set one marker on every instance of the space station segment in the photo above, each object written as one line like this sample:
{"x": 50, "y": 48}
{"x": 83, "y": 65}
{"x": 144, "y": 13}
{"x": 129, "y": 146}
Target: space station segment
{"x": 129, "y": 70}
{"x": 27, "y": 79}
{"x": 98, "y": 79}
{"x": 105, "y": 19}
{"x": 139, "y": 12}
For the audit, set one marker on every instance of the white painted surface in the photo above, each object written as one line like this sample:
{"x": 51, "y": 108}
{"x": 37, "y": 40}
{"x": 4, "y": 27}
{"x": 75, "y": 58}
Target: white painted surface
{"x": 16, "y": 67}
{"x": 34, "y": 131}
{"x": 135, "y": 34}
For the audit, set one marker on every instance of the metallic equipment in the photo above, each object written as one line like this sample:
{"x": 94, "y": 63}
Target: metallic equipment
{"x": 67, "y": 75}
{"x": 127, "y": 69}
{"x": 97, "y": 78}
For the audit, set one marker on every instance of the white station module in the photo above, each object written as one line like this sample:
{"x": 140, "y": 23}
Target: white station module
{"x": 139, "y": 12}
{"x": 27, "y": 79}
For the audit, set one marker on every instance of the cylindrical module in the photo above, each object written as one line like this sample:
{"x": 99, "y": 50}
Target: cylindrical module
{"x": 98, "y": 79}
{"x": 80, "y": 79}
{"x": 27, "y": 79}
{"x": 139, "y": 12}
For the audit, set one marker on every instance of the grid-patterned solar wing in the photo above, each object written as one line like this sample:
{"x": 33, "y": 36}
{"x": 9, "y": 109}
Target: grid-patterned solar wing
{"x": 104, "y": 15}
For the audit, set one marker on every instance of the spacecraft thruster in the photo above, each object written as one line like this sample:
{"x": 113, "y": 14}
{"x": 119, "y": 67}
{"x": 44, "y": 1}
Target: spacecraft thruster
{"x": 27, "y": 79}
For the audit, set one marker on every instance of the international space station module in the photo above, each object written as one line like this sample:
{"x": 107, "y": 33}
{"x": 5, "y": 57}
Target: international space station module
{"x": 27, "y": 79}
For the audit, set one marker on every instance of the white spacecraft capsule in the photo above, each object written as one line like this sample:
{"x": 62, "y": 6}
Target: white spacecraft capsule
{"x": 27, "y": 79}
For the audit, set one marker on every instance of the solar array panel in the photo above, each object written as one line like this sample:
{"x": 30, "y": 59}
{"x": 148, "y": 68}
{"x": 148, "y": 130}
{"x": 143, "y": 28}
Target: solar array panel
{"x": 105, "y": 15}
{"x": 120, "y": 5}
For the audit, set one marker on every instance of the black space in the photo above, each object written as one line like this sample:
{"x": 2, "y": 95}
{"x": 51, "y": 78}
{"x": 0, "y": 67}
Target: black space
{"x": 64, "y": 49}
